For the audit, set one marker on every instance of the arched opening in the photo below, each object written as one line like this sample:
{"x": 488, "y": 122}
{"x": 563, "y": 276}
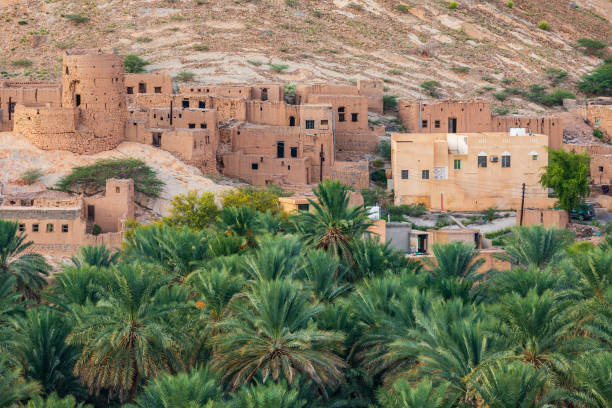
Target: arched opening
{"x": 264, "y": 94}
{"x": 291, "y": 120}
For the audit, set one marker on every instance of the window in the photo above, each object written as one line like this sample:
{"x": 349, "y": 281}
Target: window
{"x": 324, "y": 122}
{"x": 303, "y": 207}
{"x": 12, "y": 107}
{"x": 341, "y": 109}
{"x": 354, "y": 117}
{"x": 207, "y": 139}
{"x": 185, "y": 103}
{"x": 78, "y": 100}
{"x": 21, "y": 227}
{"x": 130, "y": 90}
{"x": 423, "y": 124}
{"x": 291, "y": 120}
{"x": 142, "y": 87}
{"x": 192, "y": 126}
{"x": 534, "y": 157}
{"x": 49, "y": 227}
{"x": 437, "y": 124}
{"x": 254, "y": 166}
{"x": 425, "y": 174}
{"x": 341, "y": 117}
{"x": 597, "y": 122}
{"x": 64, "y": 227}
{"x": 310, "y": 124}
{"x": 280, "y": 149}
{"x": 203, "y": 126}
{"x": 157, "y": 89}
{"x": 505, "y": 160}
{"x": 34, "y": 227}
{"x": 457, "y": 164}
{"x": 202, "y": 105}
{"x": 294, "y": 152}
{"x": 404, "y": 174}
{"x": 117, "y": 190}
{"x": 482, "y": 160}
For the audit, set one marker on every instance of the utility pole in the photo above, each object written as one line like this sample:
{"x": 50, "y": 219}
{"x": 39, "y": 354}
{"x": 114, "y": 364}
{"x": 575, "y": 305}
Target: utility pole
{"x": 171, "y": 111}
{"x": 9, "y": 108}
{"x": 522, "y": 205}
{"x": 322, "y": 159}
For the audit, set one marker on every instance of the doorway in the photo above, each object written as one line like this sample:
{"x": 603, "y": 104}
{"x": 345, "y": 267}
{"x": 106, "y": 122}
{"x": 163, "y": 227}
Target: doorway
{"x": 157, "y": 139}
{"x": 291, "y": 120}
{"x": 91, "y": 213}
{"x": 422, "y": 244}
{"x": 452, "y": 125}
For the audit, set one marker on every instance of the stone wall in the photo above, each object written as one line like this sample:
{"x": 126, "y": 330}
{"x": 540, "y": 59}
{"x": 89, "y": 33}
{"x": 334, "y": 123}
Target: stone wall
{"x": 544, "y": 216}
{"x": 354, "y": 174}
{"x": 114, "y": 205}
{"x": 155, "y": 82}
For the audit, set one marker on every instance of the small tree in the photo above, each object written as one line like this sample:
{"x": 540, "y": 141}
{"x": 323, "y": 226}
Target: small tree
{"x": 599, "y": 81}
{"x": 31, "y": 176}
{"x": 567, "y": 174}
{"x": 591, "y": 46}
{"x": 260, "y": 200}
{"x": 431, "y": 87}
{"x": 196, "y": 211}
{"x": 133, "y": 64}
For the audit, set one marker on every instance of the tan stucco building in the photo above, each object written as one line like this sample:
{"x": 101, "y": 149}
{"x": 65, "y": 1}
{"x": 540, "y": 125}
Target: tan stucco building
{"x": 468, "y": 171}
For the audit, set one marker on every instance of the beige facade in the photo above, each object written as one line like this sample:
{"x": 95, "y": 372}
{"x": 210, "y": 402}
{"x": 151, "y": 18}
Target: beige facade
{"x": 53, "y": 218}
{"x": 155, "y": 82}
{"x": 470, "y": 171}
{"x": 544, "y": 216}
{"x": 601, "y": 160}
{"x": 293, "y": 204}
{"x": 432, "y": 116}
{"x": 597, "y": 112}
{"x": 36, "y": 94}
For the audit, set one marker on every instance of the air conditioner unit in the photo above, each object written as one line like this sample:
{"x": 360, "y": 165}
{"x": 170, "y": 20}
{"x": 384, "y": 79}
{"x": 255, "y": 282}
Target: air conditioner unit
{"x": 494, "y": 159}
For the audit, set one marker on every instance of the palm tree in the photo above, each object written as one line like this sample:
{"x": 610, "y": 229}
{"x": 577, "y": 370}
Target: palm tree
{"x": 240, "y": 221}
{"x": 179, "y": 251}
{"x": 513, "y": 385}
{"x": 28, "y": 269}
{"x": 53, "y": 401}
{"x": 371, "y": 257}
{"x": 323, "y": 274}
{"x": 595, "y": 270}
{"x": 267, "y": 396}
{"x": 333, "y": 224}
{"x": 13, "y": 388}
{"x": 195, "y": 388}
{"x": 77, "y": 286}
{"x": 424, "y": 395}
{"x": 95, "y": 255}
{"x": 536, "y": 245}
{"x": 593, "y": 376}
{"x": 10, "y": 308}
{"x": 273, "y": 333}
{"x": 276, "y": 258}
{"x": 43, "y": 352}
{"x": 125, "y": 337}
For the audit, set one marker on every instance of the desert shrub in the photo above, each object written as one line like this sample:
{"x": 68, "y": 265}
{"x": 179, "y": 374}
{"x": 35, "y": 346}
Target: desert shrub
{"x": 501, "y": 96}
{"x": 144, "y": 39}
{"x": 260, "y": 200}
{"x": 96, "y": 230}
{"x": 501, "y": 110}
{"x": 497, "y": 234}
{"x": 91, "y": 179}
{"x": 490, "y": 213}
{"x": 379, "y": 176}
{"x": 378, "y": 163}
{"x": 196, "y": 211}
{"x": 292, "y": 3}
{"x": 76, "y": 18}
{"x": 508, "y": 81}
{"x": 254, "y": 62}
{"x": 290, "y": 89}
{"x": 461, "y": 70}
{"x": 396, "y": 71}
{"x": 591, "y": 46}
{"x": 201, "y": 47}
{"x": 184, "y": 76}
{"x": 556, "y": 76}
{"x": 22, "y": 63}
{"x": 22, "y": 22}
{"x": 598, "y": 134}
{"x": 389, "y": 102}
{"x": 488, "y": 79}
{"x": 556, "y": 97}
{"x": 510, "y": 4}
{"x": 431, "y": 87}
{"x": 403, "y": 8}
{"x": 355, "y": 6}
{"x": 31, "y": 176}
{"x": 543, "y": 25}
{"x": 452, "y": 5}
{"x": 133, "y": 64}
{"x": 278, "y": 68}
{"x": 384, "y": 149}
{"x": 598, "y": 81}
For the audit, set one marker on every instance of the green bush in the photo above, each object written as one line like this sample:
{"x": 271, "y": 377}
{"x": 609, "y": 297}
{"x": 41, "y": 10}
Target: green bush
{"x": 497, "y": 234}
{"x": 184, "y": 76}
{"x": 96, "y": 230}
{"x": 490, "y": 213}
{"x": 31, "y": 176}
{"x": 378, "y": 163}
{"x": 389, "y": 102}
{"x": 543, "y": 25}
{"x": 461, "y": 70}
{"x": 22, "y": 63}
{"x": 201, "y": 47}
{"x": 591, "y": 46}
{"x": 91, "y": 179}
{"x": 599, "y": 81}
{"x": 290, "y": 89}
{"x": 384, "y": 149}
{"x": 133, "y": 64}
{"x": 598, "y": 134}
{"x": 452, "y": 5}
{"x": 501, "y": 110}
{"x": 144, "y": 39}
{"x": 278, "y": 68}
{"x": 196, "y": 211}
{"x": 76, "y": 18}
{"x": 501, "y": 96}
{"x": 431, "y": 87}
{"x": 556, "y": 76}
{"x": 260, "y": 200}
{"x": 379, "y": 176}
{"x": 403, "y": 8}
{"x": 556, "y": 97}
{"x": 510, "y": 4}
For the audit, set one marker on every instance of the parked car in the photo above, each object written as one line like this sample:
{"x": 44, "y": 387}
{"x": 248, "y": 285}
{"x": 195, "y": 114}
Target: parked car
{"x": 585, "y": 212}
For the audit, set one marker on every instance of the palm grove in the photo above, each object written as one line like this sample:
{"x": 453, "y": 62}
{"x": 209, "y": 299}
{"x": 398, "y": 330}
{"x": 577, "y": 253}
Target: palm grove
{"x": 247, "y": 307}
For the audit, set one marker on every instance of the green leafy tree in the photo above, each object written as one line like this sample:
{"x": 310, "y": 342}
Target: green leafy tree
{"x": 125, "y": 337}
{"x": 196, "y": 211}
{"x": 591, "y": 46}
{"x": 424, "y": 395}
{"x": 133, "y": 64}
{"x": 598, "y": 81}
{"x": 194, "y": 389}
{"x": 91, "y": 179}
{"x": 273, "y": 333}
{"x": 431, "y": 87}
{"x": 536, "y": 246}
{"x": 29, "y": 269}
{"x": 333, "y": 224}
{"x": 258, "y": 199}
{"x": 567, "y": 174}
{"x": 267, "y": 396}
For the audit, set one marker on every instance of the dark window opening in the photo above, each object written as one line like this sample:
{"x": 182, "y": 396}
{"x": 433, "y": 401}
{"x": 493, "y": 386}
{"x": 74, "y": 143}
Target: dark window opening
{"x": 142, "y": 87}
{"x": 425, "y": 174}
{"x": 207, "y": 139}
{"x": 157, "y": 89}
{"x": 49, "y": 227}
{"x": 64, "y": 227}
{"x": 423, "y": 124}
{"x": 354, "y": 117}
{"x": 291, "y": 120}
{"x": 506, "y": 161}
{"x": 12, "y": 107}
{"x": 157, "y": 139}
{"x": 482, "y": 161}
{"x": 67, "y": 71}
{"x": 203, "y": 125}
{"x": 185, "y": 103}
{"x": 324, "y": 122}
{"x": 34, "y": 227}
{"x": 452, "y": 125}
{"x": 437, "y": 124}
{"x": 117, "y": 190}
{"x": 310, "y": 124}
{"x": 130, "y": 90}
{"x": 294, "y": 152}
{"x": 264, "y": 94}
{"x": 191, "y": 126}
{"x": 91, "y": 213}
{"x": 21, "y": 227}
{"x": 280, "y": 150}
{"x": 201, "y": 104}
{"x": 78, "y": 99}
{"x": 254, "y": 166}
{"x": 303, "y": 207}
{"x": 341, "y": 117}
{"x": 404, "y": 174}
{"x": 341, "y": 109}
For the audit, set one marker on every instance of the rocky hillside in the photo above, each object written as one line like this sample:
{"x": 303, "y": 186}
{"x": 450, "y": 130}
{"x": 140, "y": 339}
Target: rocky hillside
{"x": 473, "y": 51}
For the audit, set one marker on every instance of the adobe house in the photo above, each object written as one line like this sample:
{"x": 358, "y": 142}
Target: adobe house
{"x": 54, "y": 218}
{"x": 36, "y": 94}
{"x": 547, "y": 217}
{"x": 433, "y": 116}
{"x": 601, "y": 161}
{"x": 597, "y": 112}
{"x": 154, "y": 82}
{"x": 469, "y": 171}
{"x": 293, "y": 204}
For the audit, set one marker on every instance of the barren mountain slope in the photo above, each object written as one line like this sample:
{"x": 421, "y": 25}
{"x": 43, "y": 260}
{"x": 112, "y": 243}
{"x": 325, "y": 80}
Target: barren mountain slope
{"x": 339, "y": 40}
